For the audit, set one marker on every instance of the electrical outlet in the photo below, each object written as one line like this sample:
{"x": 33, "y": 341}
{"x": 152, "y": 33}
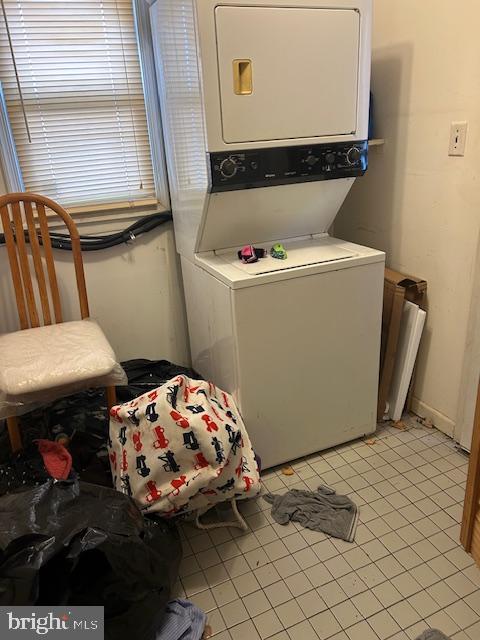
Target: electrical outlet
{"x": 458, "y": 138}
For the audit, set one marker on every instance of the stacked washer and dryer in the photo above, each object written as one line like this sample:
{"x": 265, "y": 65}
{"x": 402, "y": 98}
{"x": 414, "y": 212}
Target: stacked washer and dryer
{"x": 265, "y": 112}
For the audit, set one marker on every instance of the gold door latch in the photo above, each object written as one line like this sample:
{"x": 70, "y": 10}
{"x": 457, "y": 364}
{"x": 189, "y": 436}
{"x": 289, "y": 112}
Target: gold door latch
{"x": 242, "y": 77}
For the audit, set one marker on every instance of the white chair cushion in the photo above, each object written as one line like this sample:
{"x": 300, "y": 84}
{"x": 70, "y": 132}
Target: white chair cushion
{"x": 63, "y": 355}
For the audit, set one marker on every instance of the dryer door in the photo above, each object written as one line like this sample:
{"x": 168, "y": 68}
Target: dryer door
{"x": 287, "y": 72}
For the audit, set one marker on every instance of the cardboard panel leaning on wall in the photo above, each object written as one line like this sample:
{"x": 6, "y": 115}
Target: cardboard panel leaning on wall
{"x": 397, "y": 288}
{"x": 135, "y": 293}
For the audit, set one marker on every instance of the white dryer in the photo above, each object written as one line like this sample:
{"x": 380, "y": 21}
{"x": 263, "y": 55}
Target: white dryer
{"x": 265, "y": 111}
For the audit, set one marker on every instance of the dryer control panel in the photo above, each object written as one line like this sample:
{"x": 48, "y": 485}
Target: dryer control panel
{"x": 252, "y": 168}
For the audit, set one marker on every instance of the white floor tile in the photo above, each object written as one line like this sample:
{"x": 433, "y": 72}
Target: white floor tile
{"x": 393, "y": 542}
{"x": 441, "y": 620}
{"x": 357, "y": 558}
{"x": 311, "y": 603}
{"x": 383, "y": 624}
{"x": 473, "y": 601}
{"x": 325, "y": 625}
{"x": 290, "y": 613}
{"x": 338, "y": 566}
{"x": 234, "y": 613}
{"x": 298, "y": 584}
{"x": 286, "y": 566}
{"x": 325, "y": 550}
{"x": 216, "y": 621}
{"x": 424, "y": 575}
{"x": 256, "y": 603}
{"x": 361, "y": 631}
{"x": 194, "y": 583}
{"x": 390, "y": 567}
{"x": 208, "y": 558}
{"x": 473, "y": 632}
{"x": 302, "y": 631}
{"x": 278, "y": 593}
{"x": 244, "y": 631}
{"x": 461, "y": 584}
{"x": 318, "y": 575}
{"x": 461, "y": 614}
{"x": 266, "y": 534}
{"x": 224, "y": 593}
{"x": 204, "y": 600}
{"x": 295, "y": 542}
{"x": 216, "y": 575}
{"x": 371, "y": 575}
{"x": 246, "y": 583}
{"x": 267, "y": 575}
{"x": 408, "y": 558}
{"x": 276, "y": 550}
{"x": 257, "y": 558}
{"x": 442, "y": 594}
{"x": 267, "y": 624}
{"x": 375, "y": 550}
{"x": 346, "y": 614}
{"x": 387, "y": 594}
{"x": 423, "y": 603}
{"x": 352, "y": 584}
{"x": 406, "y": 584}
{"x": 305, "y": 558}
{"x": 367, "y": 603}
{"x": 332, "y": 594}
{"x": 442, "y": 567}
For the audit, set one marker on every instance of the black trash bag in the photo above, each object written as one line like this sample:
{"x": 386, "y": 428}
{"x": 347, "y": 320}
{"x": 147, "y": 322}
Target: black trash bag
{"x": 74, "y": 543}
{"x": 87, "y": 410}
{"x": 144, "y": 375}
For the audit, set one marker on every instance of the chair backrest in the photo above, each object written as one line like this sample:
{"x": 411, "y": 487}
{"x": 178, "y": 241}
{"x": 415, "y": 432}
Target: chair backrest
{"x": 23, "y": 217}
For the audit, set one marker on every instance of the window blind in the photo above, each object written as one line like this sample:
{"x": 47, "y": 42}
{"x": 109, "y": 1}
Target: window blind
{"x": 79, "y": 71}
{"x": 174, "y": 41}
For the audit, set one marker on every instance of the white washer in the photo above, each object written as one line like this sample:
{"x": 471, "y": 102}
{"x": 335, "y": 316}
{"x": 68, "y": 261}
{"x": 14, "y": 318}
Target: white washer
{"x": 296, "y": 341}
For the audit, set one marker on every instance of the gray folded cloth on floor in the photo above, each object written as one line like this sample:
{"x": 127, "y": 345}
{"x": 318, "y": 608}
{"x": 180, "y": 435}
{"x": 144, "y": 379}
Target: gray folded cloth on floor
{"x": 322, "y": 510}
{"x": 432, "y": 634}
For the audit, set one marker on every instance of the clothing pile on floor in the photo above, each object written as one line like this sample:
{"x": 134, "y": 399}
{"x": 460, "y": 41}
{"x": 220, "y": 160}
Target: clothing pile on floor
{"x": 322, "y": 510}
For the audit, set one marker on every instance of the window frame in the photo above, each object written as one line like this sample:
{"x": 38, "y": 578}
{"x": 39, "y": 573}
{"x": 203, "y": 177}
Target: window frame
{"x": 10, "y": 166}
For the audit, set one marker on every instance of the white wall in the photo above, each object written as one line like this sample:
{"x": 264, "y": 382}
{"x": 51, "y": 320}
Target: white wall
{"x": 416, "y": 203}
{"x": 135, "y": 293}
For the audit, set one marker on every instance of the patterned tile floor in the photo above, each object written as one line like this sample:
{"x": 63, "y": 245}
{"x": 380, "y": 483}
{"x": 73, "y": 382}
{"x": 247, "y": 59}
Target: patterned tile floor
{"x": 405, "y": 572}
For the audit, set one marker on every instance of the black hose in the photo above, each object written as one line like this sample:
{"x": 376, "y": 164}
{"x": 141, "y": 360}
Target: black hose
{"x": 95, "y": 243}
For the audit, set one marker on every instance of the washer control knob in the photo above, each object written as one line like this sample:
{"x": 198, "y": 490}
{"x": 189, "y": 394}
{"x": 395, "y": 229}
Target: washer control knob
{"x": 311, "y": 160}
{"x": 228, "y": 168}
{"x": 330, "y": 158}
{"x": 353, "y": 155}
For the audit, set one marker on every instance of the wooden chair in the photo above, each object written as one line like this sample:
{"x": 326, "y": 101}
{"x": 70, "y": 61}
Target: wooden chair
{"x": 23, "y": 216}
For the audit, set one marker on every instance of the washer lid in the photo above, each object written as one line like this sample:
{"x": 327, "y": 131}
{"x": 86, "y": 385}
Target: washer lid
{"x": 307, "y": 256}
{"x": 299, "y": 254}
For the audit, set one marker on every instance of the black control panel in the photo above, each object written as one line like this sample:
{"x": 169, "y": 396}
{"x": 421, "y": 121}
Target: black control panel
{"x": 248, "y": 169}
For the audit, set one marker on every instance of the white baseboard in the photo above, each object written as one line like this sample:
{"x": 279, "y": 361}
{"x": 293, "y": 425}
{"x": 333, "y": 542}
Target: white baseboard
{"x": 438, "y": 419}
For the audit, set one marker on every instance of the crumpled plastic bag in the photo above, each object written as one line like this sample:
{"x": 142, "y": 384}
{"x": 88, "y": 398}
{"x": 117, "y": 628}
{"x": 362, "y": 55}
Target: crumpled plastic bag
{"x": 74, "y": 543}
